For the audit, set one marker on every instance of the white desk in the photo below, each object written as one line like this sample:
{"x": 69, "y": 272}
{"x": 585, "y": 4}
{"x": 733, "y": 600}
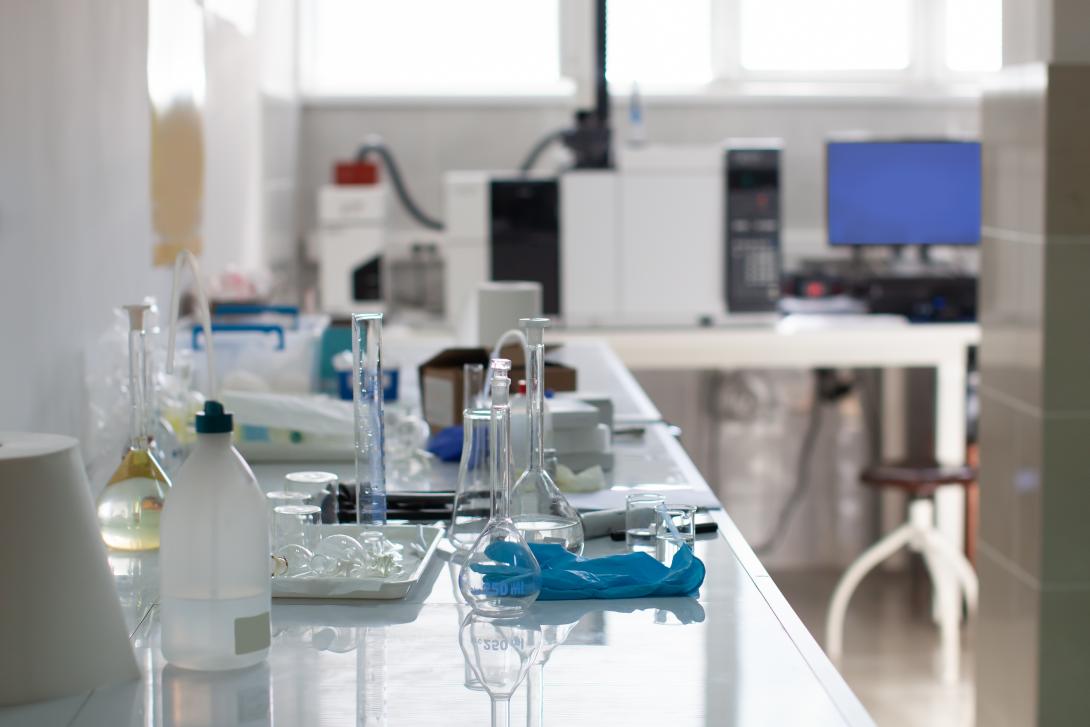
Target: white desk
{"x": 855, "y": 342}
{"x": 743, "y": 657}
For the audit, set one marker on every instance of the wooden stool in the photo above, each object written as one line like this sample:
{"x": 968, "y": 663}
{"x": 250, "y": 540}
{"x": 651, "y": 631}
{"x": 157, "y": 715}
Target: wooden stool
{"x": 919, "y": 534}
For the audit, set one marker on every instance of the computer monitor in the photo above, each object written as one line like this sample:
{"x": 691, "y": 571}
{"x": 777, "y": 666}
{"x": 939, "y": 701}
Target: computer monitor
{"x": 903, "y": 192}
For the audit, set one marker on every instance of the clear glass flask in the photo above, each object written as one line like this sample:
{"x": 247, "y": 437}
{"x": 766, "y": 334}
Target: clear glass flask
{"x": 370, "y": 435}
{"x": 501, "y": 576}
{"x": 538, "y": 507}
{"x": 130, "y": 505}
{"x": 473, "y": 499}
{"x": 499, "y": 651}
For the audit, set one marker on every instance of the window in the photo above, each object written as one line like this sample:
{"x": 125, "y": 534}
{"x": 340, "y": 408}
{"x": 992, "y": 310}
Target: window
{"x": 974, "y": 35}
{"x": 654, "y": 42}
{"x": 425, "y": 47}
{"x": 531, "y": 47}
{"x": 830, "y": 35}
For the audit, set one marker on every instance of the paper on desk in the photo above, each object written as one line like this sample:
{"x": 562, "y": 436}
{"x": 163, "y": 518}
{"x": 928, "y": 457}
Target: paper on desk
{"x": 614, "y": 497}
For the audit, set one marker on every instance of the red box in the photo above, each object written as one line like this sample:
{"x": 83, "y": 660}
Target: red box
{"x": 355, "y": 173}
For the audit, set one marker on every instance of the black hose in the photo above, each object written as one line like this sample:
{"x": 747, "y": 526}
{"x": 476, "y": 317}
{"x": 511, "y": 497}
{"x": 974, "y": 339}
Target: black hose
{"x": 379, "y": 147}
{"x": 539, "y": 148}
{"x": 802, "y": 471}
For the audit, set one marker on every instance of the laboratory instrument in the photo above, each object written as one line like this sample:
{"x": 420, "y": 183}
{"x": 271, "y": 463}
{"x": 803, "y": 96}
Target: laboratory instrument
{"x": 215, "y": 593}
{"x": 499, "y": 652}
{"x": 639, "y": 520}
{"x": 337, "y": 555}
{"x": 296, "y": 525}
{"x": 367, "y": 403}
{"x": 61, "y": 626}
{"x": 473, "y": 500}
{"x": 675, "y": 527}
{"x": 130, "y": 505}
{"x": 500, "y": 575}
{"x": 594, "y": 239}
{"x": 538, "y": 508}
{"x": 752, "y": 256}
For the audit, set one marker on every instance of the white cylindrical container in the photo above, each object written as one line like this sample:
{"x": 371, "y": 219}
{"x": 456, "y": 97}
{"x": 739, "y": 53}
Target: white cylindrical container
{"x": 500, "y": 306}
{"x": 215, "y": 592}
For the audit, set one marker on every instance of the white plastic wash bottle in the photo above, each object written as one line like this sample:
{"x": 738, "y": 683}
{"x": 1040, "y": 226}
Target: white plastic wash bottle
{"x": 214, "y": 556}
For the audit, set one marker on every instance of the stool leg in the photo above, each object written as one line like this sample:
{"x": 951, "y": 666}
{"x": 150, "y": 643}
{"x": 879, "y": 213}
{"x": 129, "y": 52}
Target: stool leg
{"x": 960, "y": 565}
{"x": 838, "y": 605}
{"x": 949, "y": 603}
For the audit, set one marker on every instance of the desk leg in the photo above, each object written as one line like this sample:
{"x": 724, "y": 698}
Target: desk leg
{"x": 950, "y": 421}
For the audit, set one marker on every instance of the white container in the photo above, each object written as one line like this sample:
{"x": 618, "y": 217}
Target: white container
{"x": 351, "y": 204}
{"x": 215, "y": 591}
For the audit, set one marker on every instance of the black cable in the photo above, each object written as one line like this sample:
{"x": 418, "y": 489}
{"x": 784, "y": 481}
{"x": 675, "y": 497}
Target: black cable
{"x": 539, "y": 148}
{"x": 802, "y": 469}
{"x": 379, "y": 147}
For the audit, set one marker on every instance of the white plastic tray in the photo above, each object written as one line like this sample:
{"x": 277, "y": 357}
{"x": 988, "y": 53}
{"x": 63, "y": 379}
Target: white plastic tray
{"x": 385, "y": 589}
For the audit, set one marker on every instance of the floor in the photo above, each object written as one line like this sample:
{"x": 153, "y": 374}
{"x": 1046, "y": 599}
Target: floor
{"x": 890, "y": 647}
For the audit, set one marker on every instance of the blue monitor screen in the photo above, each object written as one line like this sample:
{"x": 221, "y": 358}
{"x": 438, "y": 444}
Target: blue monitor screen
{"x": 903, "y": 193}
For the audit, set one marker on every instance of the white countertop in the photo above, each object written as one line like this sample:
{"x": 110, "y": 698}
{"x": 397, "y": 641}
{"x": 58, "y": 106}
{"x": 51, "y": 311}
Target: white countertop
{"x": 741, "y": 657}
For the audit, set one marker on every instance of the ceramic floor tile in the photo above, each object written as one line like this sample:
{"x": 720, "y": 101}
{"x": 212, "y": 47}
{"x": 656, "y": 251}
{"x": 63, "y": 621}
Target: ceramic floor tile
{"x": 891, "y": 647}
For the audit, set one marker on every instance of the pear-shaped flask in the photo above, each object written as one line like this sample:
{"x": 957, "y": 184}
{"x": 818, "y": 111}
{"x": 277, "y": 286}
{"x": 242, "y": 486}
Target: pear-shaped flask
{"x": 500, "y": 576}
{"x": 129, "y": 506}
{"x": 538, "y": 507}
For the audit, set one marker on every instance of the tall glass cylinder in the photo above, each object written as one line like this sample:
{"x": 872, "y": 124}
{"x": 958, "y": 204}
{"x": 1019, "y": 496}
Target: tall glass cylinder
{"x": 538, "y": 507}
{"x": 370, "y": 435}
{"x": 472, "y": 386}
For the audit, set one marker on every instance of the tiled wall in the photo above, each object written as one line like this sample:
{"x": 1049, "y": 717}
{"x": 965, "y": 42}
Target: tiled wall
{"x": 1034, "y": 556}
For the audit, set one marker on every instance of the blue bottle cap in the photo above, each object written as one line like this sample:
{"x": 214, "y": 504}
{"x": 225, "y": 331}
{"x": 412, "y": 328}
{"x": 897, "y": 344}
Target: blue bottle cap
{"x": 214, "y": 420}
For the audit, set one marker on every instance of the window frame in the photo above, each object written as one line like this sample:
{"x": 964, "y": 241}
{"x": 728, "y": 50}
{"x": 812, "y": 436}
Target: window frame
{"x": 926, "y": 77}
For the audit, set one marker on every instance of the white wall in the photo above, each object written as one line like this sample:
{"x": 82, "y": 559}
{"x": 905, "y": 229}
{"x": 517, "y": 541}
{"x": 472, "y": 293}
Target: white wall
{"x": 75, "y": 232}
{"x": 430, "y": 138}
{"x": 75, "y": 235}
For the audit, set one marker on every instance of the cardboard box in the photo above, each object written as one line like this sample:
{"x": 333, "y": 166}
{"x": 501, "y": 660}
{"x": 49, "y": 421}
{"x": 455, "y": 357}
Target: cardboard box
{"x": 441, "y": 381}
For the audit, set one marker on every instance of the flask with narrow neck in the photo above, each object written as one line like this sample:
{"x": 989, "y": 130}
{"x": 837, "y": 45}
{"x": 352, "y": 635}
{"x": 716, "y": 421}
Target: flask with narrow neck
{"x": 538, "y": 507}
{"x": 473, "y": 499}
{"x": 129, "y": 506}
{"x": 500, "y": 576}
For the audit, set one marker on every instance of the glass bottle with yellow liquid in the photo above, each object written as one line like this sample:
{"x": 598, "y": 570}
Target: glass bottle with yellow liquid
{"x": 130, "y": 504}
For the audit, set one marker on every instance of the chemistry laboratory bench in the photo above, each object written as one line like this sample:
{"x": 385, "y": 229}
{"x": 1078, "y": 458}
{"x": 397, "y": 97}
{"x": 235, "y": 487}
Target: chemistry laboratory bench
{"x": 736, "y": 654}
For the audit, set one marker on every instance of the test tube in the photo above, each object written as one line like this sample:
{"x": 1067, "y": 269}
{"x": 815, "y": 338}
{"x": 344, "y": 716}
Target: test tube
{"x": 370, "y": 436}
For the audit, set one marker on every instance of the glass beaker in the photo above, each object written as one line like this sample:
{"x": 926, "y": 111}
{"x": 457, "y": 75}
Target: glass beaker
{"x": 501, "y": 576}
{"x": 473, "y": 499}
{"x": 129, "y": 507}
{"x": 367, "y": 403}
{"x": 538, "y": 507}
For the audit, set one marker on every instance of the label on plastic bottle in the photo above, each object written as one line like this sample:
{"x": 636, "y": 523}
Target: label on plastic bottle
{"x": 252, "y": 633}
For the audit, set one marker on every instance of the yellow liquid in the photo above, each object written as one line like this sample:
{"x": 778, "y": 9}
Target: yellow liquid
{"x": 130, "y": 505}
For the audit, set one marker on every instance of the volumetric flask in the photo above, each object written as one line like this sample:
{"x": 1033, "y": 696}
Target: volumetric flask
{"x": 501, "y": 576}
{"x": 538, "y": 507}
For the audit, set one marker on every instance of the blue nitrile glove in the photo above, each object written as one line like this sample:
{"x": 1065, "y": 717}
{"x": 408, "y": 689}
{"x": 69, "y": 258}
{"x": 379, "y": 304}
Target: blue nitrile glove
{"x": 628, "y": 575}
{"x": 446, "y": 444}
{"x": 512, "y": 572}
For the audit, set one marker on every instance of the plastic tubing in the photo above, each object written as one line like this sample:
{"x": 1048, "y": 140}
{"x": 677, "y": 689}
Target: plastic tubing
{"x": 204, "y": 311}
